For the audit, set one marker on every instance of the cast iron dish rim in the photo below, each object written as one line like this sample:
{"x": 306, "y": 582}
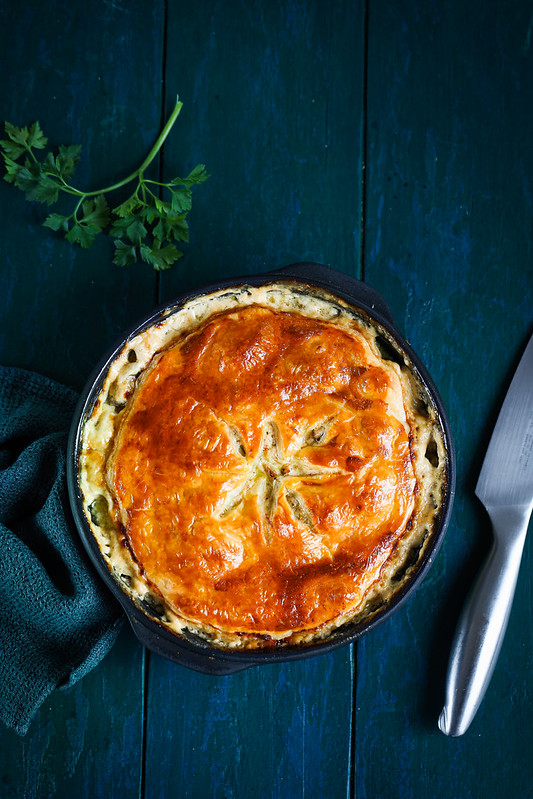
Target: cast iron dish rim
{"x": 193, "y": 652}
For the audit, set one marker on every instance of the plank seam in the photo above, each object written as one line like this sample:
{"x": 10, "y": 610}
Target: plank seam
{"x": 364, "y": 144}
{"x": 145, "y": 681}
{"x": 157, "y": 301}
{"x": 161, "y": 125}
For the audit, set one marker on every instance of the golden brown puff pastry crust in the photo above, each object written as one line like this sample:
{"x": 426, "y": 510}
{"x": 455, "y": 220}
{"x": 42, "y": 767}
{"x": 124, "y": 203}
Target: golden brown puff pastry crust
{"x": 263, "y": 474}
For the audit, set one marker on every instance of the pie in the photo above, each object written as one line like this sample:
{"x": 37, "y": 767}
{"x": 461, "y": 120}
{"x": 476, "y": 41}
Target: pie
{"x": 262, "y": 466}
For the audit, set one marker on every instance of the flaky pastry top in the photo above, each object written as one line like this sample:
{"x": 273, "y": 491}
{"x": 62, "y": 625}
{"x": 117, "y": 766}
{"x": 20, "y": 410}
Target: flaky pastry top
{"x": 264, "y": 473}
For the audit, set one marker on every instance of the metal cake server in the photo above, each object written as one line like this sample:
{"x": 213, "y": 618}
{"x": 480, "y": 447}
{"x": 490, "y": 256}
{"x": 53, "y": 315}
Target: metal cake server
{"x": 505, "y": 487}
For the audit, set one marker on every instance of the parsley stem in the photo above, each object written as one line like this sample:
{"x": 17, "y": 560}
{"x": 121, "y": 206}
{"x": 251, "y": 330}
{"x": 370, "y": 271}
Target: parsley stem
{"x": 162, "y": 136}
{"x": 147, "y": 161}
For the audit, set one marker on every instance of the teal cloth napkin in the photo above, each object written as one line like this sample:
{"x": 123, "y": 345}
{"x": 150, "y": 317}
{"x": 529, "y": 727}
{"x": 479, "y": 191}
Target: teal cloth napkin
{"x": 57, "y": 620}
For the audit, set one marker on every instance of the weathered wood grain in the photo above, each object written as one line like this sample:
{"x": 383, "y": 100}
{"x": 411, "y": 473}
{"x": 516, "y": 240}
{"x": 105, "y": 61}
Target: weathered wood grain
{"x": 274, "y": 731}
{"x": 87, "y": 73}
{"x": 272, "y": 98}
{"x": 448, "y": 242}
{"x": 273, "y": 106}
{"x": 80, "y": 735}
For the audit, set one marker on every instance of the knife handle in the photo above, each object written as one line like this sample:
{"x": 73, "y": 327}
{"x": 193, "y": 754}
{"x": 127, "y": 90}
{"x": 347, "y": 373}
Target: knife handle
{"x": 482, "y": 625}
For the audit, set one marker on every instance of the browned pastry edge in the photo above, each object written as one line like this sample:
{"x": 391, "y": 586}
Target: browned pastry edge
{"x": 263, "y": 475}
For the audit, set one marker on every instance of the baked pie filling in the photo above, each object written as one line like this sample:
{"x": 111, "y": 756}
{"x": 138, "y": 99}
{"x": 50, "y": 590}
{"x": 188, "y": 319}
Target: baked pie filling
{"x": 261, "y": 467}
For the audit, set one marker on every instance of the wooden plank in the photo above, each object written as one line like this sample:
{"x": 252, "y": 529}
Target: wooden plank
{"x": 448, "y": 242}
{"x": 272, "y": 105}
{"x": 271, "y": 731}
{"x": 81, "y": 733}
{"x": 79, "y": 71}
{"x": 87, "y": 73}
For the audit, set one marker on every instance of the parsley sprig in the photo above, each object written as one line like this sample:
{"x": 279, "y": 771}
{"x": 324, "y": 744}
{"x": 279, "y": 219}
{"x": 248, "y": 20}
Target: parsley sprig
{"x": 145, "y": 227}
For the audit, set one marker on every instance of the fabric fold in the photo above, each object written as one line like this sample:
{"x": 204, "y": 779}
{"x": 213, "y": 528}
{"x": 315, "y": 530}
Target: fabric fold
{"x": 57, "y": 619}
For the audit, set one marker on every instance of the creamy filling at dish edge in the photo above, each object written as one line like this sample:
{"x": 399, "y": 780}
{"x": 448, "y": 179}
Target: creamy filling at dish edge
{"x": 261, "y": 467}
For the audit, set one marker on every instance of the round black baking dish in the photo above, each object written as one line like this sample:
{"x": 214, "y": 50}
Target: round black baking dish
{"x": 190, "y": 650}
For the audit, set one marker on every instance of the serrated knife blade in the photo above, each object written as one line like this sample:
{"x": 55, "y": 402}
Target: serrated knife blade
{"x": 505, "y": 487}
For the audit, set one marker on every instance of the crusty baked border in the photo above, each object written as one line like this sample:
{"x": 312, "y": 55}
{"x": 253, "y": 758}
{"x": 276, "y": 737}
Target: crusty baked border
{"x": 100, "y": 426}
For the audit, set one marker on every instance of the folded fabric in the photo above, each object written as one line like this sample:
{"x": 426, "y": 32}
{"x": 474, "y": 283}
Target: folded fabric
{"x": 57, "y": 620}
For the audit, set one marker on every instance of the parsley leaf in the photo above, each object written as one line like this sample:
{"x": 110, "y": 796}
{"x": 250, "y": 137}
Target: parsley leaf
{"x": 64, "y": 163}
{"x": 83, "y": 234}
{"x": 96, "y": 212}
{"x": 125, "y": 254}
{"x": 56, "y": 222}
{"x": 43, "y": 189}
{"x": 144, "y": 227}
{"x": 160, "y": 257}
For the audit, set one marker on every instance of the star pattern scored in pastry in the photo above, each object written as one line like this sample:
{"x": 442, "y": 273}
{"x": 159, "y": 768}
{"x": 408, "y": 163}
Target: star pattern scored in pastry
{"x": 262, "y": 471}
{"x": 273, "y": 472}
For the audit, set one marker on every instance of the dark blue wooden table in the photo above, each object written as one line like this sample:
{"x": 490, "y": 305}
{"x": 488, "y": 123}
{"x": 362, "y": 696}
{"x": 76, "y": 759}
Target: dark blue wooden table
{"x": 392, "y": 141}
